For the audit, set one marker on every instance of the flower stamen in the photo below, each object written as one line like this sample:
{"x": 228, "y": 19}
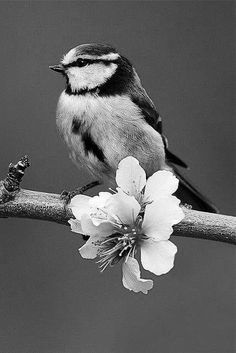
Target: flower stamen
{"x": 114, "y": 248}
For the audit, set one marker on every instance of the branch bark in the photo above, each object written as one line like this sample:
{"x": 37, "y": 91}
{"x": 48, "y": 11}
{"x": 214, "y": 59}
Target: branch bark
{"x": 50, "y": 207}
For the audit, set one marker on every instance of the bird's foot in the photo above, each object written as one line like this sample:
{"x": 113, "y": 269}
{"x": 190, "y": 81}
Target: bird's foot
{"x": 66, "y": 196}
{"x": 186, "y": 205}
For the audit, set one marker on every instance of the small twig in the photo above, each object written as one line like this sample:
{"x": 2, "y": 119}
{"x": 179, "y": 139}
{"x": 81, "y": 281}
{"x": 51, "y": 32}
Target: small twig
{"x": 11, "y": 185}
{"x": 67, "y": 195}
{"x": 86, "y": 187}
{"x": 15, "y": 174}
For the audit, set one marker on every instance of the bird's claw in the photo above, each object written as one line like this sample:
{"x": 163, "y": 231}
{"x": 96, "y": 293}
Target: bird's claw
{"x": 66, "y": 196}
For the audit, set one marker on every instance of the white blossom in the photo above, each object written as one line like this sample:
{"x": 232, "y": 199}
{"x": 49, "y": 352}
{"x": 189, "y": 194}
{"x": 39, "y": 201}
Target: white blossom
{"x": 138, "y": 217}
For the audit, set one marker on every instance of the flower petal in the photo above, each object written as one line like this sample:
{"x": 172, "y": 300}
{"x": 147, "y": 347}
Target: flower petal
{"x": 90, "y": 249}
{"x": 98, "y": 213}
{"x": 79, "y": 204}
{"x": 160, "y": 216}
{"x": 75, "y": 226}
{"x": 162, "y": 183}
{"x": 130, "y": 176}
{"x": 100, "y": 200}
{"x": 123, "y": 207}
{"x": 158, "y": 257}
{"x": 131, "y": 277}
{"x": 101, "y": 230}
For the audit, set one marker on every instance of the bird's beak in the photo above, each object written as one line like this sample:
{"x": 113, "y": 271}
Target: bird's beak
{"x": 57, "y": 68}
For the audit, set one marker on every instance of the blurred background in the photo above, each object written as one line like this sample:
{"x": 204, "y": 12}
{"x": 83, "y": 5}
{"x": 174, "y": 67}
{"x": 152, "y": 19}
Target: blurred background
{"x": 51, "y": 300}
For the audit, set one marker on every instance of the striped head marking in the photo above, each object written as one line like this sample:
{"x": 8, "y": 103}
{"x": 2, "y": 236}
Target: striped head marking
{"x": 95, "y": 68}
{"x": 89, "y": 66}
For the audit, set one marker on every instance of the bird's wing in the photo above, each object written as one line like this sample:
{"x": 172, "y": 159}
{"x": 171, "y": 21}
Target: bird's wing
{"x": 153, "y": 118}
{"x": 190, "y": 195}
{"x": 187, "y": 192}
{"x": 148, "y": 109}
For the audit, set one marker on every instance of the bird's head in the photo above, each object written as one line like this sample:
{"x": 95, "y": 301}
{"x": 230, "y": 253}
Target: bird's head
{"x": 95, "y": 67}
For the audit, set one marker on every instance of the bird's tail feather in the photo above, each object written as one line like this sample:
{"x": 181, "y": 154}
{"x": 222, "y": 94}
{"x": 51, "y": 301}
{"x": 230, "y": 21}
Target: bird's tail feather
{"x": 187, "y": 193}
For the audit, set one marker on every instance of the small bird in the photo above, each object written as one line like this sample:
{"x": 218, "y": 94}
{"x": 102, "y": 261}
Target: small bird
{"x": 104, "y": 115}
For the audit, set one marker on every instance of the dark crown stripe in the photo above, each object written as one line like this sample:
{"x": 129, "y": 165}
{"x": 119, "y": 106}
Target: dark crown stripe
{"x": 95, "y": 49}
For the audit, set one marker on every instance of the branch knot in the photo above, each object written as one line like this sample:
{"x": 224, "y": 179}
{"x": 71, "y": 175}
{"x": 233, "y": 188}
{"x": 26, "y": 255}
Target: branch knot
{"x": 12, "y": 182}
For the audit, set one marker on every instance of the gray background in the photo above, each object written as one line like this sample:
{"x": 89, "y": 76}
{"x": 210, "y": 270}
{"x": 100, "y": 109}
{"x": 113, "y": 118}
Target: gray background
{"x": 52, "y": 301}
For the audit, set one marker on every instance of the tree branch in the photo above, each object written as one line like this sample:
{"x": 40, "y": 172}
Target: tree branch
{"x": 15, "y": 202}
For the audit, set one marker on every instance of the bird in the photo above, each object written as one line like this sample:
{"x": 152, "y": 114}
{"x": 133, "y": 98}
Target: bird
{"x": 104, "y": 115}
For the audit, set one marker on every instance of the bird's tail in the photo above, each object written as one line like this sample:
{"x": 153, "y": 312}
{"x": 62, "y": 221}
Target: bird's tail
{"x": 188, "y": 194}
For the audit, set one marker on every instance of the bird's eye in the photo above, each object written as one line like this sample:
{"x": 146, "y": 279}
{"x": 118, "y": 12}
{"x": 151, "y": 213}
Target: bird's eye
{"x": 81, "y": 62}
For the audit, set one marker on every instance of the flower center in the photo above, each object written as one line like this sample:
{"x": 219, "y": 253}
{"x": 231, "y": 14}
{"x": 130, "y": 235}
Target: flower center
{"x": 128, "y": 240}
{"x": 120, "y": 245}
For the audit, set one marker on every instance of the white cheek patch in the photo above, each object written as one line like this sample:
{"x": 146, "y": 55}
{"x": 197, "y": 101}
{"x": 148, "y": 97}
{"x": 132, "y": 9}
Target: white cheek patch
{"x": 90, "y": 76}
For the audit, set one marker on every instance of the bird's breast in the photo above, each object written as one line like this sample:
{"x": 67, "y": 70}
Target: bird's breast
{"x": 104, "y": 117}
{"x": 75, "y": 116}
{"x": 100, "y": 131}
